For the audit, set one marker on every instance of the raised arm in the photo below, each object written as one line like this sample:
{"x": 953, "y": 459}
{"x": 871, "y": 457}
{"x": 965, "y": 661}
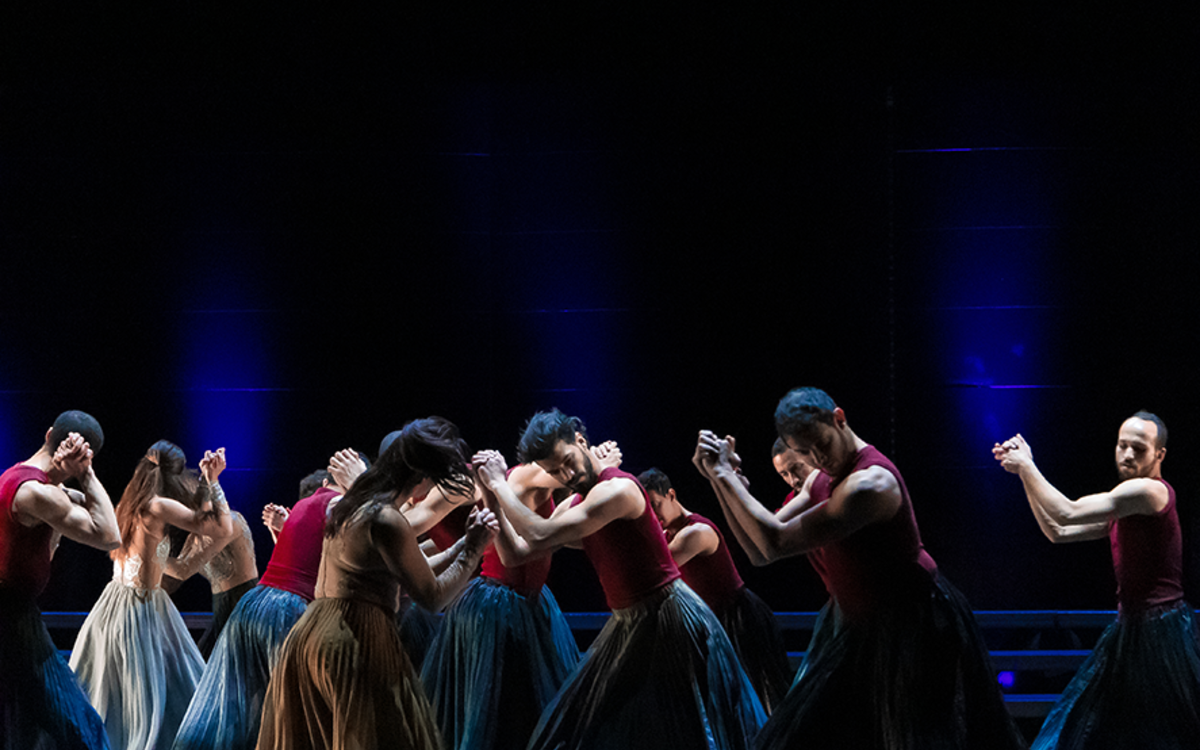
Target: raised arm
{"x": 1062, "y": 519}
{"x": 397, "y": 545}
{"x": 704, "y": 461}
{"x": 89, "y": 519}
{"x": 864, "y": 497}
{"x": 274, "y": 517}
{"x": 212, "y": 518}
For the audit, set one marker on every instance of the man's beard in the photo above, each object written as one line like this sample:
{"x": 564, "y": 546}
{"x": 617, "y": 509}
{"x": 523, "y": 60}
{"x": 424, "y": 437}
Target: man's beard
{"x": 584, "y": 483}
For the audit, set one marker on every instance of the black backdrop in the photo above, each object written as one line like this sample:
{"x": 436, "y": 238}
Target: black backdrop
{"x": 289, "y": 230}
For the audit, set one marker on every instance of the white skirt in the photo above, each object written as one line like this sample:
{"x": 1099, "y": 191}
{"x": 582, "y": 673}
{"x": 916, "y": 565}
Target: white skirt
{"x": 138, "y": 665}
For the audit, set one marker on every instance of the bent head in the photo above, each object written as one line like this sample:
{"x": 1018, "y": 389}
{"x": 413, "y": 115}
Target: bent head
{"x": 790, "y": 465}
{"x": 660, "y": 493}
{"x": 75, "y": 421}
{"x": 812, "y": 425}
{"x": 1141, "y": 446}
{"x": 558, "y": 444}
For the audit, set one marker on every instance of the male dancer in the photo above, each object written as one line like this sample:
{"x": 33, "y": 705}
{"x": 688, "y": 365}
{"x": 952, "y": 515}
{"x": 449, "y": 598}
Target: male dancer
{"x": 41, "y": 703}
{"x": 699, "y": 550}
{"x": 1141, "y": 685}
{"x": 662, "y": 672}
{"x": 896, "y": 660}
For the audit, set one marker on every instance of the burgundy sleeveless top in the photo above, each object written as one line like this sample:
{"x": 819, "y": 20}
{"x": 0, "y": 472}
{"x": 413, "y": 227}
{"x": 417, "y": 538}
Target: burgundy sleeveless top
{"x": 296, "y": 559}
{"x": 879, "y": 561}
{"x": 451, "y": 528}
{"x": 528, "y": 578}
{"x": 24, "y": 550}
{"x": 1147, "y": 554}
{"x": 714, "y": 577}
{"x": 630, "y": 555}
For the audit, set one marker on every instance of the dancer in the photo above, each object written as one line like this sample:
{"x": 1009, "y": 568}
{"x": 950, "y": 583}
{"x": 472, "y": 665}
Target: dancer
{"x": 343, "y": 679}
{"x": 791, "y": 468}
{"x": 504, "y": 648}
{"x": 896, "y": 642}
{"x": 136, "y": 660}
{"x": 1141, "y": 685}
{"x": 662, "y": 672}
{"x": 41, "y": 703}
{"x": 699, "y": 550}
{"x": 228, "y": 565}
{"x": 226, "y": 710}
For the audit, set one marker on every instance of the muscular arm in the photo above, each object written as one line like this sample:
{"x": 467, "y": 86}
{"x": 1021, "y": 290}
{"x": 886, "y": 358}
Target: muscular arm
{"x": 212, "y": 519}
{"x": 90, "y": 521}
{"x": 426, "y": 514}
{"x": 397, "y": 544}
{"x": 1062, "y": 519}
{"x": 696, "y": 540}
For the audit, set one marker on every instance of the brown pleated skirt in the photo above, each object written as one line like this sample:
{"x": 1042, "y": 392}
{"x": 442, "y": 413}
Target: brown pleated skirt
{"x": 344, "y": 682}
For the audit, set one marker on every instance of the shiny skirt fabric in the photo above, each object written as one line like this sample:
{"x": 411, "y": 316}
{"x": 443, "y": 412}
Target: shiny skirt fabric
{"x": 498, "y": 660}
{"x": 138, "y": 665}
{"x": 418, "y": 629}
{"x": 41, "y": 703}
{"x": 226, "y": 709}
{"x": 661, "y": 674}
{"x": 915, "y": 676}
{"x": 1140, "y": 688}
{"x": 758, "y": 640}
{"x": 344, "y": 682}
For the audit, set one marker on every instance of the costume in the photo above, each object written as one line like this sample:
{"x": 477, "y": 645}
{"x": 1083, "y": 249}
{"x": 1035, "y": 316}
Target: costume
{"x": 1141, "y": 685}
{"x": 343, "y": 682}
{"x": 662, "y": 672}
{"x": 227, "y": 706}
{"x": 503, "y": 651}
{"x": 748, "y": 621}
{"x": 896, "y": 659}
{"x": 41, "y": 702}
{"x": 220, "y": 571}
{"x": 418, "y": 626}
{"x": 136, "y": 659}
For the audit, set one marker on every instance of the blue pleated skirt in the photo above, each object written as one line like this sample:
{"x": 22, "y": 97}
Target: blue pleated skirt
{"x": 498, "y": 659}
{"x": 758, "y": 640}
{"x": 1140, "y": 688}
{"x": 915, "y": 675}
{"x": 41, "y": 703}
{"x": 661, "y": 674}
{"x": 227, "y": 707}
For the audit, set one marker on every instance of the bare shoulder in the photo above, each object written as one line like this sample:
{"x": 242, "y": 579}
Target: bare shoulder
{"x": 36, "y": 501}
{"x": 875, "y": 479}
{"x": 1146, "y": 495}
{"x": 621, "y": 495}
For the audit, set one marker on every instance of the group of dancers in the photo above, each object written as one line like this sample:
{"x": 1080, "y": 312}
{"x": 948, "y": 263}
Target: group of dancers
{"x": 336, "y": 646}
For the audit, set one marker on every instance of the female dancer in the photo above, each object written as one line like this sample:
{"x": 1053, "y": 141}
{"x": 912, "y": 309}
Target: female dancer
{"x": 134, "y": 656}
{"x": 343, "y": 679}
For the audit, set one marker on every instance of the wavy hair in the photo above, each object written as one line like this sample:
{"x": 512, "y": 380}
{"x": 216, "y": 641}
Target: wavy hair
{"x": 162, "y": 472}
{"x": 425, "y": 448}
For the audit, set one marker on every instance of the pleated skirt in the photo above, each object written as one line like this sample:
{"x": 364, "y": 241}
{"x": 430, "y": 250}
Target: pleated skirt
{"x": 343, "y": 682}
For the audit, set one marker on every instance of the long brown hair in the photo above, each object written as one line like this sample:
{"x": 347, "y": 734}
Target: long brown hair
{"x": 162, "y": 472}
{"x": 429, "y": 447}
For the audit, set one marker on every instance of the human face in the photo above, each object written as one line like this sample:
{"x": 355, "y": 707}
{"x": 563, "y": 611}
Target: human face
{"x": 1137, "y": 455}
{"x": 792, "y": 467}
{"x": 828, "y": 447}
{"x": 570, "y": 463}
{"x": 658, "y": 504}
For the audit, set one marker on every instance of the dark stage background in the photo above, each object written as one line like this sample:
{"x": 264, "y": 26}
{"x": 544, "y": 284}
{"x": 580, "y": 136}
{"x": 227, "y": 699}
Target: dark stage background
{"x": 288, "y": 232}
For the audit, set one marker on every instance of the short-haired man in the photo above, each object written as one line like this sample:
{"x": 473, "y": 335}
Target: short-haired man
{"x": 41, "y": 703}
{"x": 699, "y": 549}
{"x": 1141, "y": 685}
{"x": 662, "y": 672}
{"x": 896, "y": 659}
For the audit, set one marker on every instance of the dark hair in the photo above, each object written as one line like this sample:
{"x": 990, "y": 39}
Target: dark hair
{"x": 800, "y": 409}
{"x": 388, "y": 439}
{"x": 162, "y": 472}
{"x": 545, "y": 430}
{"x": 1161, "y": 440}
{"x": 76, "y": 421}
{"x": 654, "y": 480}
{"x": 313, "y": 482}
{"x": 779, "y": 447}
{"x": 429, "y": 447}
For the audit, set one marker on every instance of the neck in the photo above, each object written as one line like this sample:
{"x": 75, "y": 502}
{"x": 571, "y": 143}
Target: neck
{"x": 44, "y": 460}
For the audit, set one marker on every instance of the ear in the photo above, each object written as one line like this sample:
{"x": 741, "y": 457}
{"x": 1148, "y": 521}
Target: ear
{"x": 671, "y": 494}
{"x": 1160, "y": 454}
{"x": 839, "y": 416}
{"x": 581, "y": 441}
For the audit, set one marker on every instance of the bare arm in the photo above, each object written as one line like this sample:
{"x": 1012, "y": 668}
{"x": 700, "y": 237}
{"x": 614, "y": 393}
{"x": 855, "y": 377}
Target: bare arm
{"x": 864, "y": 497}
{"x": 397, "y": 544}
{"x": 274, "y": 517}
{"x": 696, "y": 540}
{"x": 1062, "y": 519}
{"x": 428, "y": 513}
{"x": 89, "y": 521}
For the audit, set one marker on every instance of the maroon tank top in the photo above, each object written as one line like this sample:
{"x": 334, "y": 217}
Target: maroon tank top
{"x": 24, "y": 550}
{"x": 528, "y": 578}
{"x": 451, "y": 528}
{"x": 296, "y": 559}
{"x": 630, "y": 555}
{"x": 879, "y": 561}
{"x": 714, "y": 577}
{"x": 1147, "y": 554}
